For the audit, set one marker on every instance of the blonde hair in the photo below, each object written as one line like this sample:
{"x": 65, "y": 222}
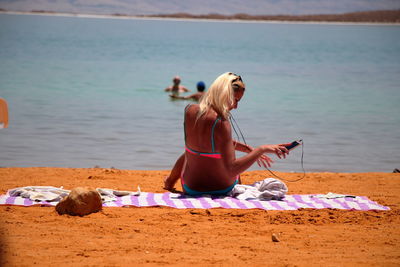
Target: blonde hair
{"x": 220, "y": 94}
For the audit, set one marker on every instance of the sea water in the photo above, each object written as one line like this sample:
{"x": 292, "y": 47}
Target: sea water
{"x": 85, "y": 92}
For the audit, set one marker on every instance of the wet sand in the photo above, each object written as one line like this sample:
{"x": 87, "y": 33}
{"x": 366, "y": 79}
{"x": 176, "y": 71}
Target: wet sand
{"x": 161, "y": 235}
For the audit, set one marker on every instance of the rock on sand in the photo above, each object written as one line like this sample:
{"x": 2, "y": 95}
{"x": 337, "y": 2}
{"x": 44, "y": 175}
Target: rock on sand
{"x": 81, "y": 201}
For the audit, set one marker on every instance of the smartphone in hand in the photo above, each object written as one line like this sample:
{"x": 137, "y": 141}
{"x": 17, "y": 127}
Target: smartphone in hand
{"x": 294, "y": 144}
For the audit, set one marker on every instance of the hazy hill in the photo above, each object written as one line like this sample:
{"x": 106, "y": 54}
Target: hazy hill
{"x": 196, "y": 7}
{"x": 388, "y": 16}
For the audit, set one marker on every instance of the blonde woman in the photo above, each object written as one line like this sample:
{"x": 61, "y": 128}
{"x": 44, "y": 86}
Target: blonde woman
{"x": 209, "y": 165}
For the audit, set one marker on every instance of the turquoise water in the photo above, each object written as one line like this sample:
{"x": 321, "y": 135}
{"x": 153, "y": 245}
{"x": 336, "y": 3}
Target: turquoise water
{"x": 89, "y": 91}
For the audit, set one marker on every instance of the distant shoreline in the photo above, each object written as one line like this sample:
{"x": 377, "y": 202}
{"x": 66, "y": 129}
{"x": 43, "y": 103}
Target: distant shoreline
{"x": 238, "y": 18}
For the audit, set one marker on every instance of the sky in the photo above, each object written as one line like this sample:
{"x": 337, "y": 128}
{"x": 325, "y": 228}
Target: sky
{"x": 227, "y": 7}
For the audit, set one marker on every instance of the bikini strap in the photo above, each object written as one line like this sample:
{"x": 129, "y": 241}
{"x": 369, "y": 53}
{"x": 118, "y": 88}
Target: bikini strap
{"x": 187, "y": 106}
{"x": 212, "y": 129}
{"x": 212, "y": 134}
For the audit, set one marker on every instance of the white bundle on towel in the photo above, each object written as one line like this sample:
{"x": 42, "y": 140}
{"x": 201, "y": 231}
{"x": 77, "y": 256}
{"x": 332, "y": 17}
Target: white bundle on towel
{"x": 109, "y": 195}
{"x": 39, "y": 193}
{"x": 267, "y": 189}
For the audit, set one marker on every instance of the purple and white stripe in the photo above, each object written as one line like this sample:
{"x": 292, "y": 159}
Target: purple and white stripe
{"x": 179, "y": 201}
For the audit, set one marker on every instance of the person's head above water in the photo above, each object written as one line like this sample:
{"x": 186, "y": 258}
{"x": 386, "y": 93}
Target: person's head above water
{"x": 223, "y": 95}
{"x": 201, "y": 86}
{"x": 176, "y": 80}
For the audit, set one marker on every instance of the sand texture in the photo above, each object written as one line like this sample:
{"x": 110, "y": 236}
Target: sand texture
{"x": 224, "y": 237}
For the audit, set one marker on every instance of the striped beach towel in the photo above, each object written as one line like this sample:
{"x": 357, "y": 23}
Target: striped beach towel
{"x": 180, "y": 201}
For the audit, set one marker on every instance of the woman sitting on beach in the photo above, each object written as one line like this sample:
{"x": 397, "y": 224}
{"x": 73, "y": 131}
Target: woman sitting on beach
{"x": 209, "y": 165}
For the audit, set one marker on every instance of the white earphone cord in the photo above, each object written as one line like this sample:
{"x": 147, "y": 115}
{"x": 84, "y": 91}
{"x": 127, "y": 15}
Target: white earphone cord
{"x": 244, "y": 141}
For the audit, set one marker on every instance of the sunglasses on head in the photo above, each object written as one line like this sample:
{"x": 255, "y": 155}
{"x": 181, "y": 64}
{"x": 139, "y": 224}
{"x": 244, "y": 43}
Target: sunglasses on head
{"x": 238, "y": 78}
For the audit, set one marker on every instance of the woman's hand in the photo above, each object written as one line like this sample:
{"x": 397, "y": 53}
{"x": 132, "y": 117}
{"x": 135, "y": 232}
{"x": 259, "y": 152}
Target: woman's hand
{"x": 263, "y": 160}
{"x": 279, "y": 150}
{"x": 169, "y": 184}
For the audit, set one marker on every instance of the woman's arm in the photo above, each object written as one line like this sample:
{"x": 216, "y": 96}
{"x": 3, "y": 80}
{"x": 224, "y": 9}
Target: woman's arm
{"x": 262, "y": 161}
{"x": 242, "y": 147}
{"x": 239, "y": 165}
{"x": 175, "y": 174}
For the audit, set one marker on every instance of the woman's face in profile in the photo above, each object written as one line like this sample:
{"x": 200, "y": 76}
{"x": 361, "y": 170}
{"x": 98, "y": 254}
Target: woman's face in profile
{"x": 237, "y": 95}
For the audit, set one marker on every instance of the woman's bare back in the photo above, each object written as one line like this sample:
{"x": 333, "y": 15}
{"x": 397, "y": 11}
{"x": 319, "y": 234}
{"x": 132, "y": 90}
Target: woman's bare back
{"x": 203, "y": 173}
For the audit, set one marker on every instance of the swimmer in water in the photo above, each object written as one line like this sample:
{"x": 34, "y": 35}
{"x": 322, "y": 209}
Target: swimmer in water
{"x": 176, "y": 88}
{"x": 201, "y": 86}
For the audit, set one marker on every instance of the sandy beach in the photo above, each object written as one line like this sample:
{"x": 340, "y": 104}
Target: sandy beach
{"x": 166, "y": 236}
